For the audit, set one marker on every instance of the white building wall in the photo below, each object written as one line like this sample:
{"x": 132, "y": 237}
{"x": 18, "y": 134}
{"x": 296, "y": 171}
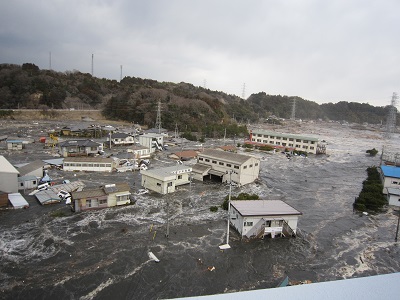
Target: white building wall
{"x": 390, "y": 182}
{"x": 8, "y": 182}
{"x": 89, "y": 167}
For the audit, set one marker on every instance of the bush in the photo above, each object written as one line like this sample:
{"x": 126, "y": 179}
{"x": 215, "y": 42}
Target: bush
{"x": 371, "y": 197}
{"x": 372, "y": 152}
{"x": 215, "y": 208}
{"x": 241, "y": 196}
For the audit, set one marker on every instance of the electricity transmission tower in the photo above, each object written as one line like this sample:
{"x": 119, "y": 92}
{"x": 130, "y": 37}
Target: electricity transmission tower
{"x": 293, "y": 117}
{"x": 244, "y": 91}
{"x": 391, "y": 118}
{"x": 158, "y": 119}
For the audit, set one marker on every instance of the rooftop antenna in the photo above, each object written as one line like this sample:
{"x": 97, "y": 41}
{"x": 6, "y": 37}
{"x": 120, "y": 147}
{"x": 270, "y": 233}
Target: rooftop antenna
{"x": 120, "y": 76}
{"x": 92, "y": 63}
{"x": 293, "y": 117}
{"x": 244, "y": 91}
{"x": 391, "y": 118}
{"x": 158, "y": 119}
{"x": 50, "y": 60}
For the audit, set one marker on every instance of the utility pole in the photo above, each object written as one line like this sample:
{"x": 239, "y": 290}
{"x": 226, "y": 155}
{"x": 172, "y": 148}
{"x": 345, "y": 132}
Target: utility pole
{"x": 120, "y": 76}
{"x": 226, "y": 246}
{"x": 293, "y": 117}
{"x": 398, "y": 223}
{"x": 92, "y": 64}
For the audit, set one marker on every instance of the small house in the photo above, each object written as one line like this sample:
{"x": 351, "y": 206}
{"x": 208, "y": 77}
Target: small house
{"x": 107, "y": 196}
{"x": 139, "y": 152}
{"x": 79, "y": 148}
{"x": 258, "y": 218}
{"x": 34, "y": 168}
{"x": 121, "y": 139}
{"x": 393, "y": 196}
{"x": 15, "y": 145}
{"x": 27, "y": 182}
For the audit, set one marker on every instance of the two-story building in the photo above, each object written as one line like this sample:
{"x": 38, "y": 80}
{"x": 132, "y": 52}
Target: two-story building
{"x": 284, "y": 141}
{"x": 153, "y": 141}
{"x": 121, "y": 139}
{"x": 223, "y": 166}
{"x": 79, "y": 148}
{"x": 106, "y": 196}
{"x": 165, "y": 180}
{"x": 258, "y": 218}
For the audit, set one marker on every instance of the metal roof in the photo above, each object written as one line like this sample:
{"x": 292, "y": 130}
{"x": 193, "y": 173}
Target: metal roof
{"x": 167, "y": 171}
{"x": 373, "y": 287}
{"x": 263, "y": 208}
{"x": 33, "y": 166}
{"x": 119, "y": 135}
{"x": 391, "y": 171}
{"x": 200, "y": 168}
{"x": 79, "y": 143}
{"x": 225, "y": 156}
{"x": 17, "y": 200}
{"x": 98, "y": 192}
{"x": 6, "y": 166}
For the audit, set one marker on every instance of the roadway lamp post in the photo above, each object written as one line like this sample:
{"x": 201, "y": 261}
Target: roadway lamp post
{"x": 167, "y": 233}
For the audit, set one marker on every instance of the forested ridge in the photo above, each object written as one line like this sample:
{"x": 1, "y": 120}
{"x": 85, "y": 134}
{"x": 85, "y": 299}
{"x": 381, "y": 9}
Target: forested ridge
{"x": 189, "y": 107}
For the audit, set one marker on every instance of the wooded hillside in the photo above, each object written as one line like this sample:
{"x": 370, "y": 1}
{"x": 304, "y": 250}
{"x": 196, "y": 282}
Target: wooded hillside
{"x": 184, "y": 105}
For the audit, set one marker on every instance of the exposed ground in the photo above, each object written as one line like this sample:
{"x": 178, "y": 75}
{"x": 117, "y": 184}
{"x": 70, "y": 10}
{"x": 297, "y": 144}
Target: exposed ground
{"x": 49, "y": 252}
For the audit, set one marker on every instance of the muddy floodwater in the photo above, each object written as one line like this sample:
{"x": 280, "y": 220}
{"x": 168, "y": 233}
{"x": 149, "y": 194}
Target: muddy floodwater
{"x": 48, "y": 252}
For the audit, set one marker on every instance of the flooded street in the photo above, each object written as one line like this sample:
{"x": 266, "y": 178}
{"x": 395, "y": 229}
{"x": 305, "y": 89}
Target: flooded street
{"x": 48, "y": 252}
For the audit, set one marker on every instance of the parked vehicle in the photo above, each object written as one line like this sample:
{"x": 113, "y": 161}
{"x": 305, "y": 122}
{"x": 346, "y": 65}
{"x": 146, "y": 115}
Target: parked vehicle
{"x": 64, "y": 195}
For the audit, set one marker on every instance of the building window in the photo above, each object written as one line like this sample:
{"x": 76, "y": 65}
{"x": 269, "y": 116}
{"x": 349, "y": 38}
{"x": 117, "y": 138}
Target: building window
{"x": 256, "y": 164}
{"x": 268, "y": 223}
{"x": 229, "y": 165}
{"x": 291, "y": 139}
{"x": 102, "y": 201}
{"x": 200, "y": 158}
{"x": 248, "y": 223}
{"x": 179, "y": 176}
{"x": 169, "y": 184}
{"x": 214, "y": 161}
{"x": 236, "y": 167}
{"x": 21, "y": 184}
{"x": 207, "y": 160}
{"x": 250, "y": 166}
{"x": 244, "y": 167}
{"x": 158, "y": 184}
{"x": 221, "y": 163}
{"x": 88, "y": 203}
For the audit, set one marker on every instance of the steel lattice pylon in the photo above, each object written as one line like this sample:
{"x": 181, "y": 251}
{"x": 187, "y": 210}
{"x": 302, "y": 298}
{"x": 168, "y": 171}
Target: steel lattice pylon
{"x": 391, "y": 119}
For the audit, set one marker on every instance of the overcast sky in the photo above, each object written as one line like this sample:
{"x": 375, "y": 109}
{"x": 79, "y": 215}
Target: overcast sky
{"x": 323, "y": 51}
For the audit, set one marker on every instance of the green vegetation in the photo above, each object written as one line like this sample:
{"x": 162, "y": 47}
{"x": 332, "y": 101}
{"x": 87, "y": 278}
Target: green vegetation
{"x": 214, "y": 208}
{"x": 6, "y": 113}
{"x": 241, "y": 196}
{"x": 372, "y": 152}
{"x": 371, "y": 197}
{"x": 194, "y": 109}
{"x": 58, "y": 214}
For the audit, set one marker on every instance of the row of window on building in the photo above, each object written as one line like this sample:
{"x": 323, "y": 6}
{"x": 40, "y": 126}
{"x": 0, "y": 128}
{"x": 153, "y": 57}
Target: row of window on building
{"x": 225, "y": 164}
{"x": 285, "y": 144}
{"x": 284, "y": 139}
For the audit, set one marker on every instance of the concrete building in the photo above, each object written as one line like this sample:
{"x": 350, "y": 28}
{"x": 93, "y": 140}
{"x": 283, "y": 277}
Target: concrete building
{"x": 257, "y": 218}
{"x": 393, "y": 196}
{"x": 165, "y": 180}
{"x": 79, "y": 148}
{"x": 223, "y": 166}
{"x": 284, "y": 141}
{"x": 89, "y": 164}
{"x": 390, "y": 177}
{"x": 152, "y": 141}
{"x": 8, "y": 176}
{"x": 107, "y": 196}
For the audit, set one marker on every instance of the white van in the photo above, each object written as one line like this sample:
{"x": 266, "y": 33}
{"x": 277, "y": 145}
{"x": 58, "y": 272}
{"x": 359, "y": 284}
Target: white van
{"x": 43, "y": 186}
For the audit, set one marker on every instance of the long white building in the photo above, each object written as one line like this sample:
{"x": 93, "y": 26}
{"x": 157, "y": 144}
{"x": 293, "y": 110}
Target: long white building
{"x": 284, "y": 140}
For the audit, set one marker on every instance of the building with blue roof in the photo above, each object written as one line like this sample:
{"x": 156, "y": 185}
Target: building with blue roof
{"x": 390, "y": 176}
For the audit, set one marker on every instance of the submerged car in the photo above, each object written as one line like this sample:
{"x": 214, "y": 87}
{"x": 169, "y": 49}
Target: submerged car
{"x": 64, "y": 195}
